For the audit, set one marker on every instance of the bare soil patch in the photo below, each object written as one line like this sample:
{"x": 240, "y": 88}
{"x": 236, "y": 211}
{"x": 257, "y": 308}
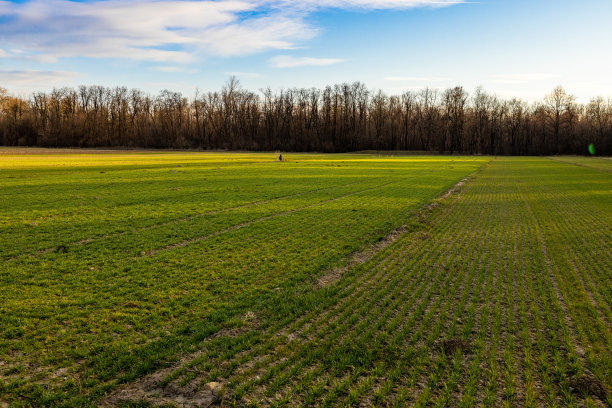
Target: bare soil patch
{"x": 450, "y": 346}
{"x": 189, "y": 396}
{"x": 360, "y": 257}
{"x": 150, "y": 389}
{"x": 588, "y": 385}
{"x": 155, "y": 390}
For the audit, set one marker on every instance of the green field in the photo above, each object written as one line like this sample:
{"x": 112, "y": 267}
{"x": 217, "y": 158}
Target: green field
{"x": 191, "y": 279}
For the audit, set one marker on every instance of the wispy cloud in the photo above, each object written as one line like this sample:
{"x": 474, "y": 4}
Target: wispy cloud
{"x": 287, "y": 61}
{"x": 165, "y": 30}
{"x": 145, "y": 30}
{"x": 26, "y": 78}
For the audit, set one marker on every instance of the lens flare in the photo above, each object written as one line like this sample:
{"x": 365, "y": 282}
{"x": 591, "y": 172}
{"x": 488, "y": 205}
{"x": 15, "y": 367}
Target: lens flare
{"x": 592, "y": 149}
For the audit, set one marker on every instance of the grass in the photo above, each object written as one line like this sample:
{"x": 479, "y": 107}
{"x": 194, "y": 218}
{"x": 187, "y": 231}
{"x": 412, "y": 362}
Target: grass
{"x": 143, "y": 278}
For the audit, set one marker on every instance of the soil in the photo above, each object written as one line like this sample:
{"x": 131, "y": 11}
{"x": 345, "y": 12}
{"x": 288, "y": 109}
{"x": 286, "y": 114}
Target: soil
{"x": 150, "y": 390}
{"x": 588, "y": 385}
{"x": 450, "y": 346}
{"x": 360, "y": 257}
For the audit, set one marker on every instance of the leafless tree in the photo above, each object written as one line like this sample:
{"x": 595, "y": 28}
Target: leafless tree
{"x": 337, "y": 118}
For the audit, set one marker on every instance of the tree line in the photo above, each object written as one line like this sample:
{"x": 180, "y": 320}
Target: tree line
{"x": 340, "y": 118}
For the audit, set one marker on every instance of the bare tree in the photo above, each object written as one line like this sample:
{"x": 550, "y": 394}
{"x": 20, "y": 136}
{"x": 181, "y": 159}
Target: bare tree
{"x": 340, "y": 118}
{"x": 557, "y": 103}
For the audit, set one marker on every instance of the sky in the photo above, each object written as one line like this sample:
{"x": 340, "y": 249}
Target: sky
{"x": 513, "y": 48}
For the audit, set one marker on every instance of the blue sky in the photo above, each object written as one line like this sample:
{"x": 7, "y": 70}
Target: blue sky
{"x": 515, "y": 48}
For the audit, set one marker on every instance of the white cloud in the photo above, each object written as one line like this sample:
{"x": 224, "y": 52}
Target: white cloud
{"x": 287, "y": 61}
{"x": 146, "y": 30}
{"x": 165, "y": 30}
{"x": 25, "y": 78}
{"x": 277, "y": 32}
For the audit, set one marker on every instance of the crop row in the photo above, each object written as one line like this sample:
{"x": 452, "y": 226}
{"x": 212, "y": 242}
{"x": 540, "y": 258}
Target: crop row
{"x": 500, "y": 296}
